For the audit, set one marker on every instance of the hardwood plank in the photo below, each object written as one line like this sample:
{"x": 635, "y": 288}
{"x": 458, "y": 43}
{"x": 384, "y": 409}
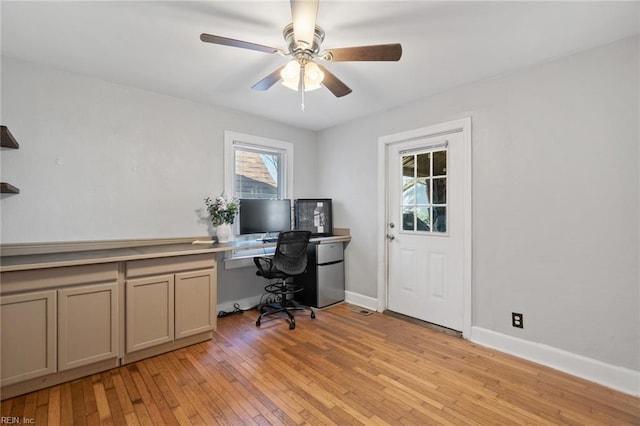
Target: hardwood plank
{"x": 53, "y": 412}
{"x": 104, "y": 411}
{"x": 66, "y": 407}
{"x": 341, "y": 368}
{"x": 30, "y": 406}
{"x": 146, "y": 399}
{"x": 77, "y": 403}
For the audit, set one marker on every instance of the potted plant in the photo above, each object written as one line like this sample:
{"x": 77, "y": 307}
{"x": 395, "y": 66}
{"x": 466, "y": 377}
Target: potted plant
{"x": 222, "y": 213}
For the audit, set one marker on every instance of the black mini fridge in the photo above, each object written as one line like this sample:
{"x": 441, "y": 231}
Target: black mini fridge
{"x": 324, "y": 280}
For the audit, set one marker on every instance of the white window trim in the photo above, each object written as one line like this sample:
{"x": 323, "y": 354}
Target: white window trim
{"x": 250, "y": 141}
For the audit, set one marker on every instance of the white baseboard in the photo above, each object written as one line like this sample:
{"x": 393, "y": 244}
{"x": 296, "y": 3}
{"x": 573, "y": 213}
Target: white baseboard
{"x": 370, "y": 303}
{"x": 618, "y": 378}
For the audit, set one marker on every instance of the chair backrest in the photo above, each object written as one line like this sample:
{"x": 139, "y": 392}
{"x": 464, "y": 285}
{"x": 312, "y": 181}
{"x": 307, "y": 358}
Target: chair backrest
{"x": 291, "y": 252}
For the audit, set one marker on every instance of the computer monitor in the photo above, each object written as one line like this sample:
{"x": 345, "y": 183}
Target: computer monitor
{"x": 262, "y": 216}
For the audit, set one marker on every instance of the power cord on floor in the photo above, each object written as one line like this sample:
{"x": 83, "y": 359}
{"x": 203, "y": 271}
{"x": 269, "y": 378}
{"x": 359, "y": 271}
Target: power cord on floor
{"x": 236, "y": 310}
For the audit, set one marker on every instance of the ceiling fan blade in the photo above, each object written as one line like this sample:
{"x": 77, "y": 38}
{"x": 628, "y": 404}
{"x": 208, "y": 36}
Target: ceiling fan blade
{"x": 334, "y": 84}
{"x": 268, "y": 81}
{"x": 303, "y": 15}
{"x": 376, "y": 52}
{"x": 208, "y": 38}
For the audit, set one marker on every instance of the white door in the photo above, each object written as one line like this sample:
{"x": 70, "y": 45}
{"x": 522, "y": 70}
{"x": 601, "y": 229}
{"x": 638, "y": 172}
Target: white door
{"x": 425, "y": 229}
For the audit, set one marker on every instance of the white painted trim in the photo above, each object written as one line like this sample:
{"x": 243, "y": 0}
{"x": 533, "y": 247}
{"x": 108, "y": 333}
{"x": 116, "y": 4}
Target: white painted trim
{"x": 462, "y": 125}
{"x": 287, "y": 147}
{"x": 361, "y": 300}
{"x": 618, "y": 378}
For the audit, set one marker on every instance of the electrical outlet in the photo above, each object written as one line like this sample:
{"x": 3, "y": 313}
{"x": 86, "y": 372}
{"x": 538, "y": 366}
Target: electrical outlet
{"x": 517, "y": 320}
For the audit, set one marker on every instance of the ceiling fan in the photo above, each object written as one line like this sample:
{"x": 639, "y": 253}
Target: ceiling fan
{"x": 304, "y": 38}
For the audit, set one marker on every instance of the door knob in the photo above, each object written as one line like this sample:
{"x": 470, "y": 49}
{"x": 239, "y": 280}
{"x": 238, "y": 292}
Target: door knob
{"x": 391, "y": 237}
{"x": 392, "y": 225}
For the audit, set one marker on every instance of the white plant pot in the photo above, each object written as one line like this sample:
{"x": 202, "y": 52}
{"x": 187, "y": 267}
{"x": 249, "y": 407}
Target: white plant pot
{"x": 223, "y": 233}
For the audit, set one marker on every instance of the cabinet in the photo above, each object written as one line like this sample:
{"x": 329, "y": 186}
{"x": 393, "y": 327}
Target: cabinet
{"x": 57, "y": 324}
{"x": 65, "y": 316}
{"x": 150, "y": 311}
{"x": 195, "y": 303}
{"x": 87, "y": 325}
{"x": 34, "y": 315}
{"x": 169, "y": 301}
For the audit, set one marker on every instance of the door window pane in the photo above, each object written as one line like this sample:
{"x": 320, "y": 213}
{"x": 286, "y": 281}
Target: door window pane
{"x": 408, "y": 166}
{"x": 440, "y": 191}
{"x": 423, "y": 219}
{"x": 424, "y": 192}
{"x": 440, "y": 219}
{"x": 440, "y": 163}
{"x": 408, "y": 219}
{"x": 424, "y": 165}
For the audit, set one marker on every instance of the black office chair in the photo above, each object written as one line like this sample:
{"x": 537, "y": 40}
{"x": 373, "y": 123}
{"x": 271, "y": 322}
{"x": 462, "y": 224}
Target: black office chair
{"x": 289, "y": 261}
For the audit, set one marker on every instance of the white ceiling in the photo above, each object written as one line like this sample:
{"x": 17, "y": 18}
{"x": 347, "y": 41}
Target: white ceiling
{"x": 155, "y": 45}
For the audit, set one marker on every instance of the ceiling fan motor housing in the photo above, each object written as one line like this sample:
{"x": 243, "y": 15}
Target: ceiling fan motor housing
{"x": 301, "y": 49}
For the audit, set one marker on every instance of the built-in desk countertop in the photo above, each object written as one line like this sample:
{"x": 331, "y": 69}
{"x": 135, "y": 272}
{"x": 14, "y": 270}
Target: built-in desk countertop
{"x": 87, "y": 257}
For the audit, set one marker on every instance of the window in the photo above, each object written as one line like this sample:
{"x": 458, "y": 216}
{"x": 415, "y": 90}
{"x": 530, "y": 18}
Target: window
{"x": 424, "y": 191}
{"x": 257, "y": 173}
{"x": 257, "y": 167}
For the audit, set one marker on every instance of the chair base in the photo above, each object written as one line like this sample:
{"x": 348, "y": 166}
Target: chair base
{"x": 286, "y": 308}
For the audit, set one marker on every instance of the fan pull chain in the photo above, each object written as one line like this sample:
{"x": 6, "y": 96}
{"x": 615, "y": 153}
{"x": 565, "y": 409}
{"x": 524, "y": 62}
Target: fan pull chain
{"x": 302, "y": 88}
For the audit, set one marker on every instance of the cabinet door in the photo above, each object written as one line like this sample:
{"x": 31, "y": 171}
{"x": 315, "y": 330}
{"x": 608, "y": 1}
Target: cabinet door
{"x": 149, "y": 312}
{"x": 28, "y": 327}
{"x": 87, "y": 325}
{"x": 195, "y": 302}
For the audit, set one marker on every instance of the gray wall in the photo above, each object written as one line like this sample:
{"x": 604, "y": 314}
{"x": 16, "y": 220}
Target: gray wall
{"x": 555, "y": 184}
{"x": 555, "y": 198}
{"x": 101, "y": 161}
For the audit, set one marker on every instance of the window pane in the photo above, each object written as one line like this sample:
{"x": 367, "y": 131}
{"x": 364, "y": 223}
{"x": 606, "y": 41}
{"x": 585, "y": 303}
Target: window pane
{"x": 408, "y": 219}
{"x": 440, "y": 219}
{"x": 423, "y": 221}
{"x": 440, "y": 163}
{"x": 424, "y": 165}
{"x": 422, "y": 192}
{"x": 408, "y": 190}
{"x": 440, "y": 191}
{"x": 408, "y": 165}
{"x": 257, "y": 174}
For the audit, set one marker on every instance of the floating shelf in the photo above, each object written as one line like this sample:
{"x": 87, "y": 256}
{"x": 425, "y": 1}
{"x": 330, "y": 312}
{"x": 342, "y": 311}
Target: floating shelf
{"x": 7, "y": 188}
{"x": 8, "y": 141}
{"x": 6, "y": 138}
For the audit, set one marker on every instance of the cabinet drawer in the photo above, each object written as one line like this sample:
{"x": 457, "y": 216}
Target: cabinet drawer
{"x": 170, "y": 265}
{"x": 52, "y": 278}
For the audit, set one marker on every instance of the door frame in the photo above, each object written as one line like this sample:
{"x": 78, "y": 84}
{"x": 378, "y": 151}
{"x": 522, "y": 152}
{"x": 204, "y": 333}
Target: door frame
{"x": 462, "y": 125}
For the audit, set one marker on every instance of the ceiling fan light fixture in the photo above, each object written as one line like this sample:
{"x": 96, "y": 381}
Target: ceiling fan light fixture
{"x": 313, "y": 76}
{"x": 290, "y": 75}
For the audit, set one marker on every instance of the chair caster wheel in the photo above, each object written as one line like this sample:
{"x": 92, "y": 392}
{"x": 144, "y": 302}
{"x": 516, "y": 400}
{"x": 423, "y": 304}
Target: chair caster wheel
{"x": 313, "y": 315}
{"x": 258, "y": 323}
{"x": 292, "y": 326}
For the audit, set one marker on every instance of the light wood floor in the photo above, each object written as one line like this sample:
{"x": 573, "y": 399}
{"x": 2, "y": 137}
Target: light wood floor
{"x": 341, "y": 368}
